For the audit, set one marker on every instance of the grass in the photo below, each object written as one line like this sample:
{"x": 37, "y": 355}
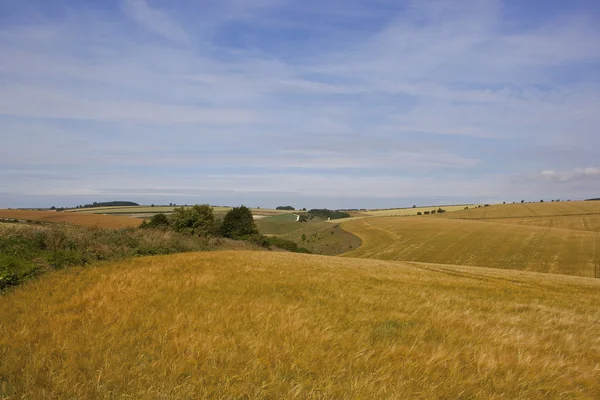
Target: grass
{"x": 478, "y": 243}
{"x": 278, "y": 224}
{"x": 322, "y": 237}
{"x": 280, "y": 325}
{"x": 101, "y": 221}
{"x": 27, "y": 251}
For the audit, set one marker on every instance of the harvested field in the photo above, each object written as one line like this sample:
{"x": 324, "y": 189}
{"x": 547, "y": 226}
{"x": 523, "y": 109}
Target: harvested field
{"x": 101, "y": 221}
{"x": 526, "y": 210}
{"x": 462, "y": 242}
{"x": 281, "y": 325}
{"x": 590, "y": 223}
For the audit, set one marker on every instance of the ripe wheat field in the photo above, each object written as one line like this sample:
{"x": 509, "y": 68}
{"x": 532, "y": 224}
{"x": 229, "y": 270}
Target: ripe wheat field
{"x": 282, "y": 325}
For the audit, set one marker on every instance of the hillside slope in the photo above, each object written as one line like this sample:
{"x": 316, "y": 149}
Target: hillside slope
{"x": 462, "y": 242}
{"x": 281, "y": 325}
{"x": 526, "y": 210}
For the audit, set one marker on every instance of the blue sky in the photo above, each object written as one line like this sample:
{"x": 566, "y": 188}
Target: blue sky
{"x": 316, "y": 103}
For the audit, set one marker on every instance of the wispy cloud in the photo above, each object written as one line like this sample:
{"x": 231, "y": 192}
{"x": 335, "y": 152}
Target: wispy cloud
{"x": 154, "y": 20}
{"x": 409, "y": 95}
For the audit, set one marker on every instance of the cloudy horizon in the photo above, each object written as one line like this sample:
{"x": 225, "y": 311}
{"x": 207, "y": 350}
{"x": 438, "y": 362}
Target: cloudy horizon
{"x": 338, "y": 104}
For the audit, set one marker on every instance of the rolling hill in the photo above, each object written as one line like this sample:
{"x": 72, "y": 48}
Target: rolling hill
{"x": 282, "y": 325}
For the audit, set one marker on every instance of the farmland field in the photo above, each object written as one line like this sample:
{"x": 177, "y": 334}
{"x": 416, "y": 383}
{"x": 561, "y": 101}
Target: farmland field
{"x": 463, "y": 242}
{"x": 398, "y": 212}
{"x": 281, "y": 325}
{"x": 101, "y": 221}
{"x": 589, "y": 223}
{"x": 141, "y": 210}
{"x": 527, "y": 210}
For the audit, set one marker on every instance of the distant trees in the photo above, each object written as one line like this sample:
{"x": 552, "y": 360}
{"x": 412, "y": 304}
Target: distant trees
{"x": 419, "y": 213}
{"x": 290, "y": 208}
{"x": 238, "y": 223}
{"x": 325, "y": 213}
{"x": 109, "y": 204}
{"x": 522, "y": 201}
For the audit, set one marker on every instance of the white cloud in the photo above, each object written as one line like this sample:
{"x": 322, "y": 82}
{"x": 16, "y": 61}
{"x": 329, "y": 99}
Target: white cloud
{"x": 571, "y": 175}
{"x": 154, "y": 20}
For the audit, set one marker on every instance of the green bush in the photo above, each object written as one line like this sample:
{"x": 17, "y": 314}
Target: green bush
{"x": 239, "y": 224}
{"x": 197, "y": 220}
{"x": 158, "y": 221}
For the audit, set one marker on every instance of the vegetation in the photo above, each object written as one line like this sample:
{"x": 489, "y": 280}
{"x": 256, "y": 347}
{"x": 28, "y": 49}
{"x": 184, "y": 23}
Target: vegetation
{"x": 289, "y": 208}
{"x": 109, "y": 204}
{"x": 197, "y": 220}
{"x": 285, "y": 244}
{"x": 239, "y": 223}
{"x": 326, "y": 214}
{"x": 28, "y": 250}
{"x": 281, "y": 325}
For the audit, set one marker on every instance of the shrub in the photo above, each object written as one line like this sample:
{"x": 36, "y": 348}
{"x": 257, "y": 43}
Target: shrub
{"x": 426, "y": 213}
{"x": 419, "y": 213}
{"x": 238, "y": 223}
{"x": 160, "y": 221}
{"x": 197, "y": 220}
{"x": 433, "y": 211}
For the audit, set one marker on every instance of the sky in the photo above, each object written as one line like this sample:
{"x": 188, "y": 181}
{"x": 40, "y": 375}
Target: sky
{"x": 329, "y": 103}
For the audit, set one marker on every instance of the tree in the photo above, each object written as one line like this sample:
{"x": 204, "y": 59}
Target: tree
{"x": 197, "y": 220}
{"x": 522, "y": 201}
{"x": 238, "y": 223}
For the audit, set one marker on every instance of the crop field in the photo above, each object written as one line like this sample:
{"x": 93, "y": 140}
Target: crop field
{"x": 148, "y": 211}
{"x": 400, "y": 212}
{"x": 478, "y": 243}
{"x": 282, "y": 325}
{"x": 101, "y": 221}
{"x": 526, "y": 210}
{"x": 589, "y": 223}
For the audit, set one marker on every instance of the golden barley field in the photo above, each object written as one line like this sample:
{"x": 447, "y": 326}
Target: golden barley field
{"x": 101, "y": 221}
{"x": 478, "y": 243}
{"x": 229, "y": 325}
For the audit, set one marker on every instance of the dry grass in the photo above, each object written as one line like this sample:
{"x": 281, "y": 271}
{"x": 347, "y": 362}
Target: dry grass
{"x": 101, "y": 221}
{"x": 278, "y": 325}
{"x": 526, "y": 210}
{"x": 478, "y": 243}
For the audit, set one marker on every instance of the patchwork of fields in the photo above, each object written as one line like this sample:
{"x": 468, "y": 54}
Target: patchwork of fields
{"x": 283, "y": 325}
{"x": 101, "y": 221}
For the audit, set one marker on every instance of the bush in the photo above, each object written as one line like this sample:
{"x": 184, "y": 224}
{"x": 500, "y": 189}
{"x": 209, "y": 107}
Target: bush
{"x": 288, "y": 245}
{"x": 290, "y": 208}
{"x": 419, "y": 213}
{"x": 441, "y": 210}
{"x": 239, "y": 223}
{"x": 197, "y": 220}
{"x": 433, "y": 211}
{"x": 426, "y": 213}
{"x": 158, "y": 221}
